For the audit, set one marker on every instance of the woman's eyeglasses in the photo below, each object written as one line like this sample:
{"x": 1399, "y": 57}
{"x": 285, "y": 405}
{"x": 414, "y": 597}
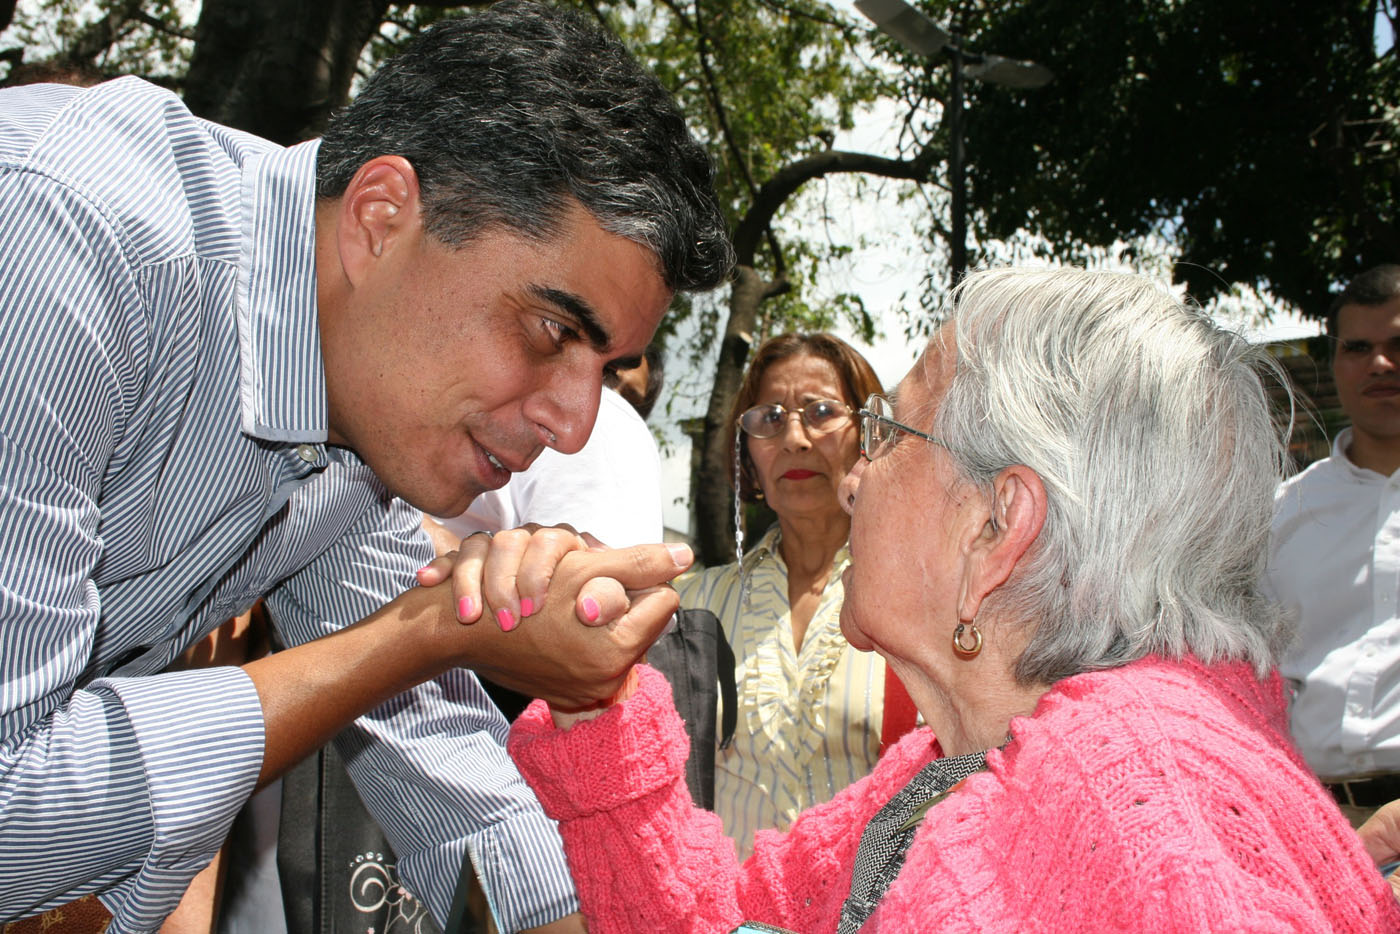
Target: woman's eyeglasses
{"x": 768, "y": 421}
{"x": 879, "y": 432}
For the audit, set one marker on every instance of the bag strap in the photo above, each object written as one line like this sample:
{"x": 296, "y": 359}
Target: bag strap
{"x": 728, "y": 689}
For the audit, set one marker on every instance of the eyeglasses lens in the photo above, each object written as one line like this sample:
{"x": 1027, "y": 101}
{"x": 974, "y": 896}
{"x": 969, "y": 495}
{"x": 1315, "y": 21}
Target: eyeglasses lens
{"x": 876, "y": 434}
{"x": 767, "y": 421}
{"x": 823, "y": 414}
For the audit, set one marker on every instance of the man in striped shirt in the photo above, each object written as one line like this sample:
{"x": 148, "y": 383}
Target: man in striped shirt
{"x": 233, "y": 371}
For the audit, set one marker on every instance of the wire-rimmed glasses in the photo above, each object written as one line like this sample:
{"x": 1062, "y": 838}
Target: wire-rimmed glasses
{"x": 768, "y": 421}
{"x": 879, "y": 432}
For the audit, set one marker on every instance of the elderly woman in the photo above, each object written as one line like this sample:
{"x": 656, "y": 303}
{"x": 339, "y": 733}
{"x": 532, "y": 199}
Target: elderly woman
{"x": 1056, "y": 537}
{"x": 810, "y": 708}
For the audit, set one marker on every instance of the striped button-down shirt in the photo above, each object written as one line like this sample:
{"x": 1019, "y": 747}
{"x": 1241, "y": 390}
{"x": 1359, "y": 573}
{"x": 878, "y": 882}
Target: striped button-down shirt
{"x": 162, "y": 465}
{"x": 809, "y": 719}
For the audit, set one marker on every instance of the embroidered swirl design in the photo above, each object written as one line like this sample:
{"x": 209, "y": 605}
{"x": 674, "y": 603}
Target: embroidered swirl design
{"x": 374, "y": 886}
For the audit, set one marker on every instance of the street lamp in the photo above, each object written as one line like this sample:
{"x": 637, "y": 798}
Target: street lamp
{"x": 922, "y": 36}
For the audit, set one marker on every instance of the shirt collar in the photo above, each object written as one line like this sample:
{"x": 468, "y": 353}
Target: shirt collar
{"x": 769, "y": 545}
{"x": 1340, "y": 445}
{"x": 1339, "y": 454}
{"x": 281, "y": 379}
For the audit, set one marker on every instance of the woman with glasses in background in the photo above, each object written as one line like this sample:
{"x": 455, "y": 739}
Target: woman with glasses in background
{"x": 810, "y": 708}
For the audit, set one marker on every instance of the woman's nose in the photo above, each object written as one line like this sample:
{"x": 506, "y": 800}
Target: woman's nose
{"x": 796, "y": 436}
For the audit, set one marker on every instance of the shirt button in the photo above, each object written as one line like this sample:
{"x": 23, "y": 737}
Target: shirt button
{"x": 1369, "y": 651}
{"x": 306, "y": 452}
{"x": 1354, "y": 709}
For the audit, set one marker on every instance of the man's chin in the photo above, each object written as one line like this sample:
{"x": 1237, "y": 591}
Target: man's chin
{"x": 446, "y": 504}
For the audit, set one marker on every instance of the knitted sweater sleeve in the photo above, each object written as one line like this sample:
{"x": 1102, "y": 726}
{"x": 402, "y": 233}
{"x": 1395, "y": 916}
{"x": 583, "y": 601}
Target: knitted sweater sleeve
{"x": 645, "y": 859}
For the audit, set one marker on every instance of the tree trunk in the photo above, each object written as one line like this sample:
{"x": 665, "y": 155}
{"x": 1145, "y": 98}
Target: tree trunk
{"x": 278, "y": 68}
{"x": 711, "y": 491}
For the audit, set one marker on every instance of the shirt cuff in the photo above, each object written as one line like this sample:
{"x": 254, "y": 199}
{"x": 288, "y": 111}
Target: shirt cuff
{"x": 523, "y": 873}
{"x": 200, "y": 735}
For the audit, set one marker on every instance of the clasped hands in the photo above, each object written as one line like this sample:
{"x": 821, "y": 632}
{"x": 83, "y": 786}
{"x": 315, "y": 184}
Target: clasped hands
{"x": 555, "y": 614}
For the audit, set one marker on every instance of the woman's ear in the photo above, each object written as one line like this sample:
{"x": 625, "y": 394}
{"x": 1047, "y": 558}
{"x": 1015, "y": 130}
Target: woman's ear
{"x": 1011, "y": 522}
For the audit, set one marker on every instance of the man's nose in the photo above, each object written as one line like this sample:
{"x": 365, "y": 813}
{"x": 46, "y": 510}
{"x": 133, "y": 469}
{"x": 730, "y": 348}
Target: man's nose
{"x": 1385, "y": 359}
{"x": 566, "y": 409}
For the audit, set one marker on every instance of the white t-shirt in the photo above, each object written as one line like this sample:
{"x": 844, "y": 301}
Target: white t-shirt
{"x": 1335, "y": 563}
{"x": 611, "y": 488}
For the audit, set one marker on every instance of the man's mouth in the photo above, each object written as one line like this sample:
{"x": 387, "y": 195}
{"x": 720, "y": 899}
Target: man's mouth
{"x": 500, "y": 472}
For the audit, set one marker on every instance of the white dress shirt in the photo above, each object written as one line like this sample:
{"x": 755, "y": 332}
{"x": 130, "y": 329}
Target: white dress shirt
{"x": 1335, "y": 564}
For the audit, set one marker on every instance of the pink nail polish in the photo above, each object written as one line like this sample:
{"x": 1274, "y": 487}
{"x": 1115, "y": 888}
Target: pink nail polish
{"x": 590, "y": 609}
{"x": 466, "y": 608}
{"x": 527, "y": 606}
{"x": 507, "y": 620}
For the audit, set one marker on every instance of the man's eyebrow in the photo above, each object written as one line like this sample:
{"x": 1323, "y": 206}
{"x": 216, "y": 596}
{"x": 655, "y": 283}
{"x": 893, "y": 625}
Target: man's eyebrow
{"x": 578, "y": 309}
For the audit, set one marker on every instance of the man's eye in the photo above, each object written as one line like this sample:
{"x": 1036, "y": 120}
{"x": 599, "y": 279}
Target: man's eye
{"x": 558, "y": 332}
{"x": 1356, "y": 347}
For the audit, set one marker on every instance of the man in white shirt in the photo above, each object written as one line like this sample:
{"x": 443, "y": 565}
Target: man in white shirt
{"x": 1335, "y": 562}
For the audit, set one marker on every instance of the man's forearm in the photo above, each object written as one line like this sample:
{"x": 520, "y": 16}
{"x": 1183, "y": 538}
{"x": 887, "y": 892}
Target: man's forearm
{"x": 312, "y": 691}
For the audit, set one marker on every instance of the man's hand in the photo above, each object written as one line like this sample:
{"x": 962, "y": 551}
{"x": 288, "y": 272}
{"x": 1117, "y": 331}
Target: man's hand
{"x": 1381, "y": 837}
{"x": 311, "y": 691}
{"x": 569, "y": 924}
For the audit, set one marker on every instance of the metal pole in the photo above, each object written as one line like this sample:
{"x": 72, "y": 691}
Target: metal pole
{"x": 911, "y": 28}
{"x": 957, "y": 258}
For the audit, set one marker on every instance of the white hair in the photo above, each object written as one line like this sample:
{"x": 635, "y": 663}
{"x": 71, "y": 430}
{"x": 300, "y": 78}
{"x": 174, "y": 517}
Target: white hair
{"x": 1153, "y": 434}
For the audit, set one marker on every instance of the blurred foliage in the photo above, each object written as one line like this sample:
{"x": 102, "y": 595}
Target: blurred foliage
{"x": 85, "y": 41}
{"x": 1257, "y": 136}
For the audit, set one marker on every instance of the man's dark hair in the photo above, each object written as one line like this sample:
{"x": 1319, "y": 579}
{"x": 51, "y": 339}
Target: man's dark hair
{"x": 1375, "y": 286}
{"x": 510, "y": 113}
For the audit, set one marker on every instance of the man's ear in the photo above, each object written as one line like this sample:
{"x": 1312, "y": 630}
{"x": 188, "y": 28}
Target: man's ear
{"x": 1014, "y": 518}
{"x": 377, "y": 208}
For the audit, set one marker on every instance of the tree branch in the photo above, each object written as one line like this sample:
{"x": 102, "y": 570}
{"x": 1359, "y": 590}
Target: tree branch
{"x": 839, "y": 25}
{"x": 141, "y": 16}
{"x": 96, "y": 37}
{"x": 793, "y": 176}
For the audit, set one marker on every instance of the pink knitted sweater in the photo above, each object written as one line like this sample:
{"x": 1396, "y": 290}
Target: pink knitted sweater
{"x": 1158, "y": 797}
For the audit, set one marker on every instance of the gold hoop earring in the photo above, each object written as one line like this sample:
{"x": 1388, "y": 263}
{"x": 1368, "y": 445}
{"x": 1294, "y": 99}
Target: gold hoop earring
{"x": 967, "y": 651}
